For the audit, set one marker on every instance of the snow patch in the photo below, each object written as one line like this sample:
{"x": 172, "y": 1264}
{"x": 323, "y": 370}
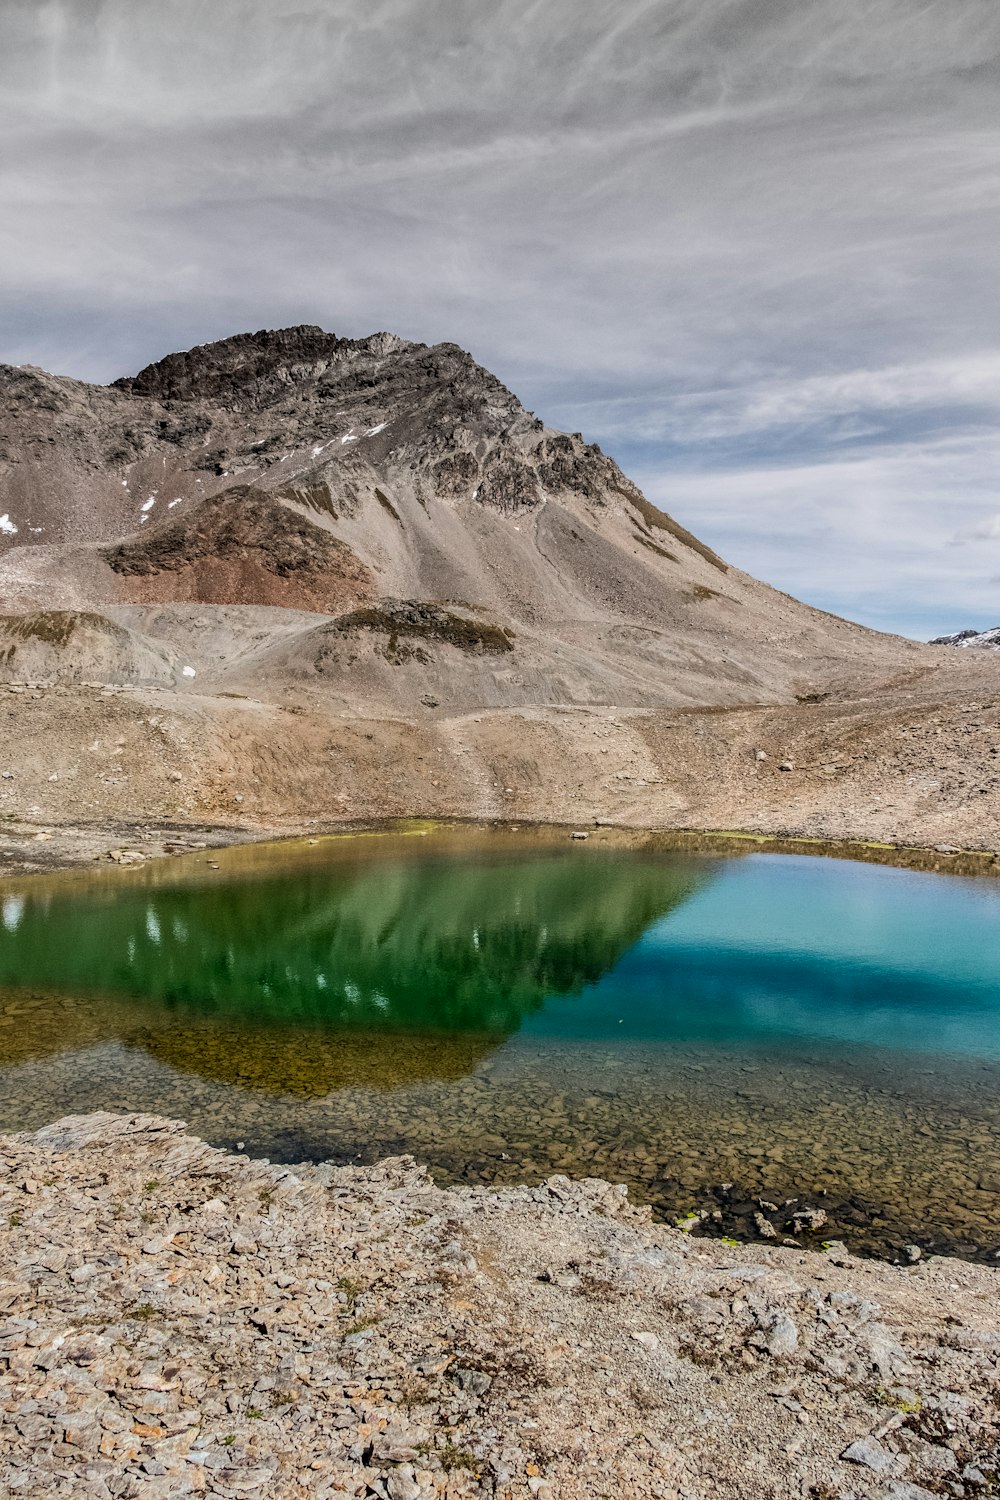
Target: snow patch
{"x": 380, "y": 428}
{"x": 149, "y": 503}
{"x": 189, "y": 672}
{"x": 7, "y": 525}
{"x": 348, "y": 438}
{"x": 172, "y": 503}
{"x": 982, "y": 640}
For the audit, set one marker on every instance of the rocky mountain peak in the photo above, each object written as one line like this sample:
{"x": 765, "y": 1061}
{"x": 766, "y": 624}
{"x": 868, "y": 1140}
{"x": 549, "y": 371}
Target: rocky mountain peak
{"x": 431, "y": 411}
{"x": 252, "y": 370}
{"x": 302, "y": 413}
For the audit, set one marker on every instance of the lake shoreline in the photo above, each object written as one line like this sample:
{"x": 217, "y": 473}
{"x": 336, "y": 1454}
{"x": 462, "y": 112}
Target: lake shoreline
{"x": 179, "y": 1319}
{"x": 28, "y": 848}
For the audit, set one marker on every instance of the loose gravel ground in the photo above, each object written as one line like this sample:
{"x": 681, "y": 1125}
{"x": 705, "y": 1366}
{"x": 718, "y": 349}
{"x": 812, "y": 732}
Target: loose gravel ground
{"x": 177, "y": 1320}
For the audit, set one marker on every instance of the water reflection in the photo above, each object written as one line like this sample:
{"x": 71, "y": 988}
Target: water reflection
{"x": 300, "y": 981}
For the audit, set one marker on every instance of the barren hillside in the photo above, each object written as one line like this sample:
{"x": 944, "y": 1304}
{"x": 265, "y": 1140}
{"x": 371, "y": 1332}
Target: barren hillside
{"x": 290, "y": 574}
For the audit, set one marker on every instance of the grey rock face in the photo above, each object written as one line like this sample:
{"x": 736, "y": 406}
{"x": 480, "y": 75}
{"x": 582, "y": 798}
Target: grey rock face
{"x": 433, "y": 408}
{"x": 325, "y": 422}
{"x": 783, "y": 1336}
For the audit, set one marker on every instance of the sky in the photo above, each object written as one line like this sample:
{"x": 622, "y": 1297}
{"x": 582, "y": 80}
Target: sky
{"x": 748, "y": 246}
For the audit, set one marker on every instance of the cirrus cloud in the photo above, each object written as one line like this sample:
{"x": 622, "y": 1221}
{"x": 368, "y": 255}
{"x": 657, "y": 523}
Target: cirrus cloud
{"x": 742, "y": 243}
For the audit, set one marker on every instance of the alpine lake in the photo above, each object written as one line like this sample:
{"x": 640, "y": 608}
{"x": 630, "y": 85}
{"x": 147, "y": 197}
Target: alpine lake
{"x": 741, "y": 1038}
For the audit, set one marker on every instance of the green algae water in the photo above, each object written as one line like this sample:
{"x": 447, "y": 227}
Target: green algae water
{"x": 737, "y": 1038}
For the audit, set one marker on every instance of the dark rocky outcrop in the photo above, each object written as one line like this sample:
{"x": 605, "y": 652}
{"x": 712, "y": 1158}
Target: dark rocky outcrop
{"x": 251, "y": 370}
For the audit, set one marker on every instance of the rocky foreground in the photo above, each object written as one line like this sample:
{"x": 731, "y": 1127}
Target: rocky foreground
{"x": 177, "y": 1320}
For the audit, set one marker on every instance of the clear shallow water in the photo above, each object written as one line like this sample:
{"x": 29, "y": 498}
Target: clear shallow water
{"x": 715, "y": 1031}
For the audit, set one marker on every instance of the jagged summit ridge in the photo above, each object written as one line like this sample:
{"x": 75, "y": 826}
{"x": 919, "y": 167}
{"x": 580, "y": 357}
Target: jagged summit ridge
{"x": 255, "y": 367}
{"x": 435, "y": 411}
{"x": 346, "y": 432}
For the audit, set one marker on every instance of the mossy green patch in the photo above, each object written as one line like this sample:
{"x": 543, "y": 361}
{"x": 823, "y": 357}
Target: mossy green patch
{"x": 428, "y": 622}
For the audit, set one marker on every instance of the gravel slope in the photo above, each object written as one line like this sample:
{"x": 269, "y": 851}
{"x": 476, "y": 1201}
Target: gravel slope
{"x": 175, "y": 1320}
{"x": 86, "y": 768}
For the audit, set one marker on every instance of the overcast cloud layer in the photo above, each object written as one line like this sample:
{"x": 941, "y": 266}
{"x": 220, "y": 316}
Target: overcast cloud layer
{"x": 750, "y": 246}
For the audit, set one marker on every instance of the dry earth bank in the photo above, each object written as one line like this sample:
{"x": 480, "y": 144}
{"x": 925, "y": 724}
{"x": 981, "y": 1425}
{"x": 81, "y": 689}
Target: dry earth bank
{"x": 88, "y": 769}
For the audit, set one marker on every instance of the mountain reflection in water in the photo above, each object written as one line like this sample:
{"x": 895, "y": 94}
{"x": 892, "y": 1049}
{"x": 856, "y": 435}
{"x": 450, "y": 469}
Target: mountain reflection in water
{"x": 350, "y": 971}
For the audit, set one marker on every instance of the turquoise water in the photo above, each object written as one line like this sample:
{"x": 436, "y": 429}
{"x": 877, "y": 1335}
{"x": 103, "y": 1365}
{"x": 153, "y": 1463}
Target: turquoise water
{"x": 714, "y": 1031}
{"x": 784, "y": 949}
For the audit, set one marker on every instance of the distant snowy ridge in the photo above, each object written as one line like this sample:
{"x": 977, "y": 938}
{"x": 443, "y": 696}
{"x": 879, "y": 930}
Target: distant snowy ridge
{"x": 984, "y": 640}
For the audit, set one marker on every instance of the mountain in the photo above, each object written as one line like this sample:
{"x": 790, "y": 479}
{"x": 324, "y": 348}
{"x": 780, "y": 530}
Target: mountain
{"x": 980, "y": 640}
{"x": 316, "y": 570}
{"x": 326, "y": 475}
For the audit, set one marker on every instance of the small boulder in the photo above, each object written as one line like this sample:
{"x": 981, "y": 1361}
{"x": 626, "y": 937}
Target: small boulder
{"x": 869, "y": 1453}
{"x": 782, "y": 1336}
{"x": 808, "y": 1218}
{"x": 402, "y": 1484}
